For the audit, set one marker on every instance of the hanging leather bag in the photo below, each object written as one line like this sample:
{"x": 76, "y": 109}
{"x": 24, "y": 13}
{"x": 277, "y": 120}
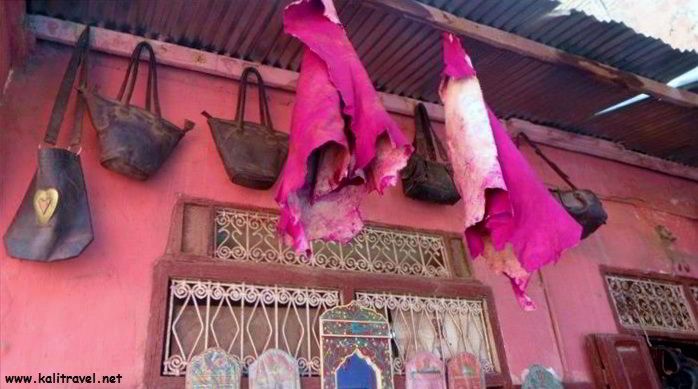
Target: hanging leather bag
{"x": 678, "y": 370}
{"x": 252, "y": 153}
{"x": 582, "y": 204}
{"x": 134, "y": 141}
{"x": 425, "y": 178}
{"x": 53, "y": 222}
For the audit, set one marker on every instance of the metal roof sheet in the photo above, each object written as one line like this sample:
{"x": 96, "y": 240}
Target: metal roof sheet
{"x": 612, "y": 43}
{"x": 403, "y": 56}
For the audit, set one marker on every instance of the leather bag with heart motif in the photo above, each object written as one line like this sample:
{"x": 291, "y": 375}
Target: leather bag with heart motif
{"x": 425, "y": 178}
{"x": 134, "y": 141}
{"x": 253, "y": 153}
{"x": 53, "y": 222}
{"x": 582, "y": 204}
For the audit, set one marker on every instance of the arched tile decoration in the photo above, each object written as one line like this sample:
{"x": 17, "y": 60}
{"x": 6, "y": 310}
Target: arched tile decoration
{"x": 213, "y": 369}
{"x": 357, "y": 371}
{"x": 425, "y": 371}
{"x": 274, "y": 369}
{"x": 539, "y": 377}
{"x": 465, "y": 372}
{"x": 350, "y": 331}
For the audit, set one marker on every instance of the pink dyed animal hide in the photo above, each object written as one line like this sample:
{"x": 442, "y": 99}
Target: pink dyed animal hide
{"x": 330, "y": 165}
{"x": 511, "y": 218}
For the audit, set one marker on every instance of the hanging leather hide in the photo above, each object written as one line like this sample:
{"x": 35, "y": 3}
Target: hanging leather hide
{"x": 339, "y": 118}
{"x": 134, "y": 142}
{"x": 504, "y": 202}
{"x": 425, "y": 178}
{"x": 252, "y": 153}
{"x": 54, "y": 220}
{"x": 582, "y": 204}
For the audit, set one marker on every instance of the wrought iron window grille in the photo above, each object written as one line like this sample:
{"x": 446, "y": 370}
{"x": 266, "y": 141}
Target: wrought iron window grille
{"x": 650, "y": 304}
{"x": 244, "y": 235}
{"x": 444, "y": 326}
{"x": 245, "y": 320}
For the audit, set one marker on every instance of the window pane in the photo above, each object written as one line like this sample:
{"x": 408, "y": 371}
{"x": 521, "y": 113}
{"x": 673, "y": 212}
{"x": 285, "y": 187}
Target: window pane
{"x": 443, "y": 326}
{"x": 244, "y": 320}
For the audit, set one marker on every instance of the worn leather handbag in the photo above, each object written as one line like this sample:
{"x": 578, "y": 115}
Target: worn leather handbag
{"x": 252, "y": 153}
{"x": 134, "y": 141}
{"x": 582, "y": 204}
{"x": 678, "y": 370}
{"x": 53, "y": 222}
{"x": 425, "y": 177}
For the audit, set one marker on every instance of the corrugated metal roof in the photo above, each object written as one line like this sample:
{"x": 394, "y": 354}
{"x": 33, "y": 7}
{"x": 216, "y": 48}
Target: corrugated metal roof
{"x": 575, "y": 32}
{"x": 403, "y": 56}
{"x": 673, "y": 134}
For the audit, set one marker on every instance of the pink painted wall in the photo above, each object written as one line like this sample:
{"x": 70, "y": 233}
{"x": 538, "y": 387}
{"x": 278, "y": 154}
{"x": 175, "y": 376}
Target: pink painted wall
{"x": 91, "y": 313}
{"x": 5, "y": 52}
{"x": 14, "y": 41}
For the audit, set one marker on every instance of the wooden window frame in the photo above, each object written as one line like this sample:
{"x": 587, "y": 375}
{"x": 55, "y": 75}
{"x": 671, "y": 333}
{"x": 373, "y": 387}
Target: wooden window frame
{"x": 685, "y": 282}
{"x": 609, "y": 369}
{"x": 189, "y": 255}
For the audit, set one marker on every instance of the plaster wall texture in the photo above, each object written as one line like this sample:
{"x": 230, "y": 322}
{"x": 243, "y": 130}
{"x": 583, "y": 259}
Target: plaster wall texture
{"x": 5, "y": 52}
{"x": 673, "y": 21}
{"x": 90, "y": 314}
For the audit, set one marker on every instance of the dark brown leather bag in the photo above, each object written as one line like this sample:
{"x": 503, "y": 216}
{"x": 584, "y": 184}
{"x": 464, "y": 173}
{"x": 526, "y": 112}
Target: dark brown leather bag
{"x": 582, "y": 204}
{"x": 53, "y": 222}
{"x": 134, "y": 141}
{"x": 253, "y": 154}
{"x": 425, "y": 178}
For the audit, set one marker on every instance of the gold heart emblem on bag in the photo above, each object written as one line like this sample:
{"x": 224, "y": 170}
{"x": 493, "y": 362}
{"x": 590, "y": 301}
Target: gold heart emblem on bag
{"x": 45, "y": 203}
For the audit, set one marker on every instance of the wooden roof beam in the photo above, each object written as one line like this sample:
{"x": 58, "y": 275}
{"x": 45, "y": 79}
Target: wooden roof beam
{"x": 598, "y": 148}
{"x": 446, "y": 21}
{"x": 122, "y": 44}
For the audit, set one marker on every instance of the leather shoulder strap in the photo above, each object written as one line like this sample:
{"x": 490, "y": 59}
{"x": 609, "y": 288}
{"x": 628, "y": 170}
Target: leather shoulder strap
{"x": 550, "y": 163}
{"x": 264, "y": 114}
{"x": 152, "y": 101}
{"x": 426, "y": 142}
{"x": 78, "y": 58}
{"x": 422, "y": 135}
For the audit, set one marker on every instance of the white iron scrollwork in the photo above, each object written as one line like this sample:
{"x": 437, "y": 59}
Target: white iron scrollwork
{"x": 644, "y": 304}
{"x": 443, "y": 326}
{"x": 244, "y": 320}
{"x": 243, "y": 235}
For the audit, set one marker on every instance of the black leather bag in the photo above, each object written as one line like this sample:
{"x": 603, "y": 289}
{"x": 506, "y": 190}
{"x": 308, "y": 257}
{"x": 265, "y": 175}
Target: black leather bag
{"x": 252, "y": 153}
{"x": 678, "y": 371}
{"x": 53, "y": 222}
{"x": 582, "y": 204}
{"x": 425, "y": 178}
{"x": 134, "y": 141}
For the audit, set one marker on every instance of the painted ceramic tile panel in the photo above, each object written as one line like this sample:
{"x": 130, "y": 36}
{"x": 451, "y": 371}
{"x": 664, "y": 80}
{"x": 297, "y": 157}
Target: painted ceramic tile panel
{"x": 357, "y": 372}
{"x": 355, "y": 343}
{"x": 464, "y": 372}
{"x": 425, "y": 371}
{"x": 539, "y": 377}
{"x": 213, "y": 369}
{"x": 275, "y": 369}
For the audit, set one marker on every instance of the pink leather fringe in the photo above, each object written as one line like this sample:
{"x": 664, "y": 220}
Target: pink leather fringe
{"x": 511, "y": 218}
{"x": 333, "y": 162}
